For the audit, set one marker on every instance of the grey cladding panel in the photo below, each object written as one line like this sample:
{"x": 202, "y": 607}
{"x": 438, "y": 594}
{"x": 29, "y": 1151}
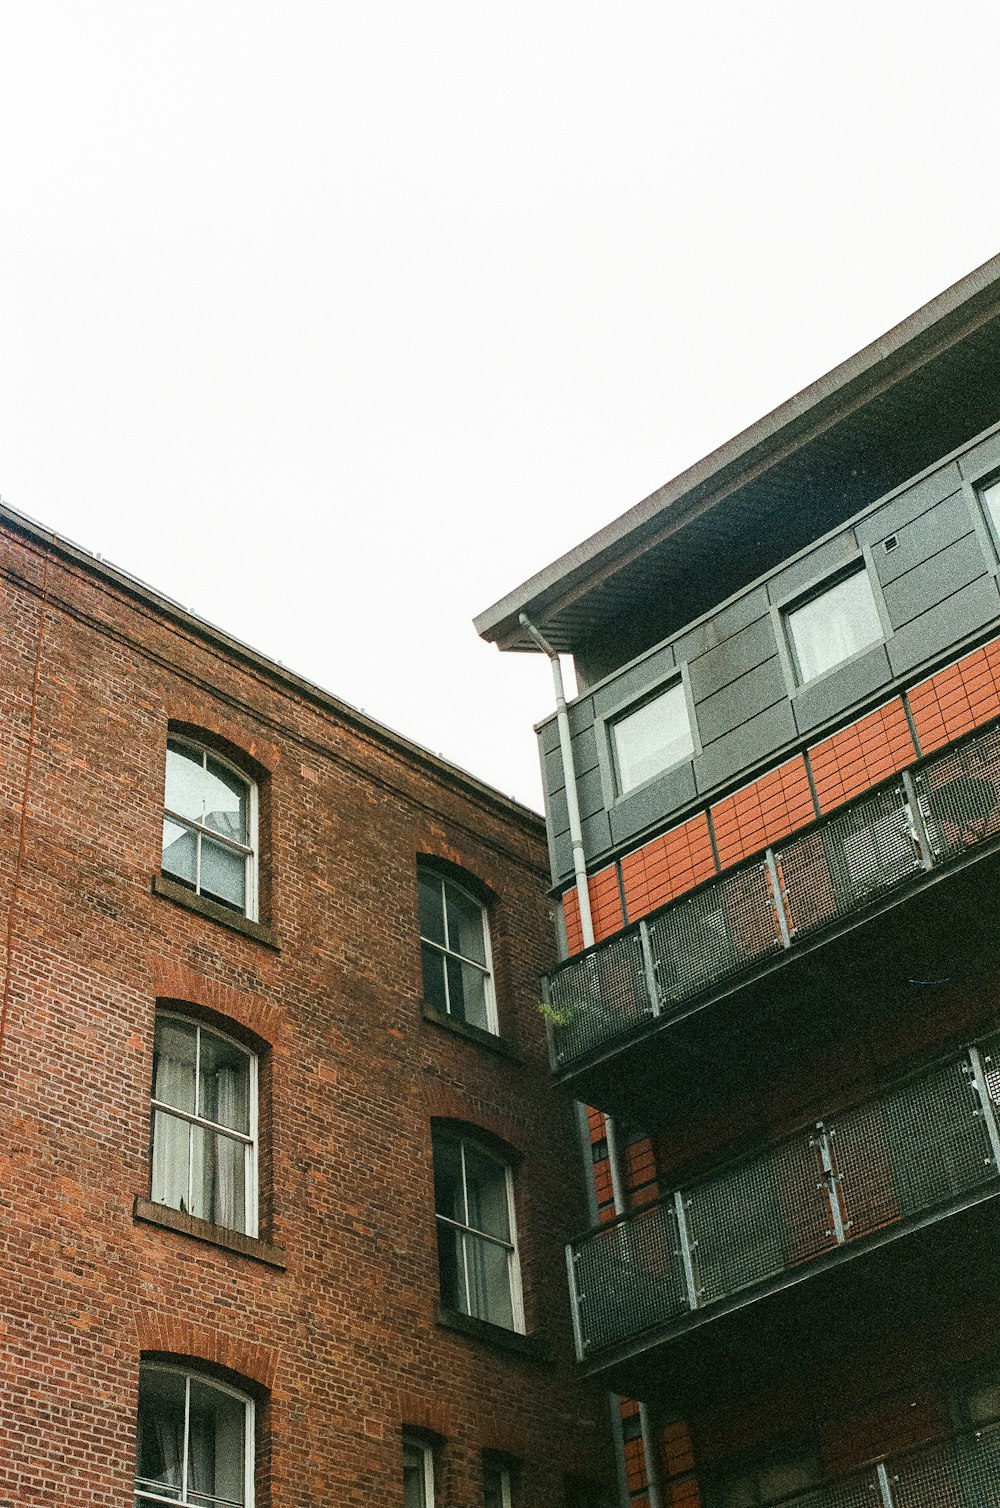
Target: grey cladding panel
{"x": 585, "y": 751}
{"x": 635, "y": 682}
{"x": 810, "y": 571}
{"x": 732, "y": 658}
{"x": 596, "y": 834}
{"x": 741, "y": 700}
{"x": 934, "y": 530}
{"x": 722, "y": 625}
{"x": 931, "y": 633}
{"x": 558, "y": 810}
{"x": 581, "y": 715}
{"x": 841, "y": 688}
{"x": 912, "y": 595}
{"x": 983, "y": 460}
{"x": 548, "y": 736}
{"x": 747, "y": 744}
{"x": 552, "y": 771}
{"x": 652, "y": 803}
{"x": 560, "y": 856}
{"x": 902, "y": 510}
{"x": 590, "y": 793}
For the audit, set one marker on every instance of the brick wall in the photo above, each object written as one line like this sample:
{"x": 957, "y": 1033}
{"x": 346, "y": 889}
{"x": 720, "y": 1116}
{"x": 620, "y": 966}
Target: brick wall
{"x": 342, "y": 1339}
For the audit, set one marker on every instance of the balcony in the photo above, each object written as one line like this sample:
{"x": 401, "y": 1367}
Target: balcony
{"x": 671, "y": 1287}
{"x": 960, "y": 1472}
{"x": 786, "y": 912}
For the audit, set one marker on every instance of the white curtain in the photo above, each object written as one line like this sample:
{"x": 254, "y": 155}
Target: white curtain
{"x": 171, "y": 1135}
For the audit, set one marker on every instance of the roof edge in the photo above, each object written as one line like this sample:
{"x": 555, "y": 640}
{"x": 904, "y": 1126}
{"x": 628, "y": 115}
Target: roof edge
{"x": 499, "y": 623}
{"x": 132, "y": 586}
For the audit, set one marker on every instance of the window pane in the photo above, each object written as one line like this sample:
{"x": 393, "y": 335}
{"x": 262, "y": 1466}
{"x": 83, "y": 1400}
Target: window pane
{"x": 216, "y": 1446}
{"x": 223, "y": 874}
{"x": 180, "y": 852}
{"x": 161, "y": 1432}
{"x": 991, "y": 497}
{"x": 174, "y": 1053}
{"x": 434, "y": 987}
{"x": 496, "y": 1486}
{"x": 652, "y": 738}
{"x": 486, "y": 1181}
{"x": 835, "y": 625}
{"x": 431, "y": 908}
{"x": 448, "y": 1196}
{"x": 225, "y": 802}
{"x": 224, "y": 1083}
{"x": 450, "y": 1268}
{"x": 468, "y": 984}
{"x": 489, "y": 1281}
{"x": 185, "y": 784}
{"x": 415, "y": 1478}
{"x": 465, "y": 925}
{"x": 218, "y": 1178}
{"x": 170, "y": 1159}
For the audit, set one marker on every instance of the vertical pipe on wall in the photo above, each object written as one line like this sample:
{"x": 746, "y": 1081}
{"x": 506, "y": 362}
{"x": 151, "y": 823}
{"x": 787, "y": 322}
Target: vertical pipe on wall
{"x": 569, "y": 779}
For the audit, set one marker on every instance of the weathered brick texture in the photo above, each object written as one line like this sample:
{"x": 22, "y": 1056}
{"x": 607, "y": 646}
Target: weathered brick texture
{"x": 343, "y": 1343}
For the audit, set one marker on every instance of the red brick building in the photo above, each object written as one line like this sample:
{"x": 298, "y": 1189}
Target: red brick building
{"x": 284, "y": 1188}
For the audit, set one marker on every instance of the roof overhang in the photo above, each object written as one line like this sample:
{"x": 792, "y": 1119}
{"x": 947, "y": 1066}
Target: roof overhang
{"x": 579, "y": 595}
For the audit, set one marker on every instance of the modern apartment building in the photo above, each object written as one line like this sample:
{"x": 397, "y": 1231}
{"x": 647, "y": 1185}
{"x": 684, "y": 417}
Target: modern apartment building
{"x": 773, "y": 812}
{"x": 285, "y": 1191}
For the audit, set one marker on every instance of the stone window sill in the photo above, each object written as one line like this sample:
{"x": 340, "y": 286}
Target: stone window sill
{"x": 533, "y": 1347}
{"x": 170, "y": 890}
{"x": 149, "y": 1213}
{"x": 489, "y": 1040}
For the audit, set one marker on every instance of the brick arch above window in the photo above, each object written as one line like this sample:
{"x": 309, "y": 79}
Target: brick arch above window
{"x": 175, "y": 984}
{"x": 169, "y": 1337}
{"x": 449, "y": 1105}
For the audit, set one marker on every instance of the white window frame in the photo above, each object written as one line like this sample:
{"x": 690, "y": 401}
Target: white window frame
{"x": 420, "y": 1453}
{"x": 511, "y": 1247}
{"x": 676, "y": 688}
{"x": 248, "y": 850}
{"x": 143, "y": 1495}
{"x": 249, "y": 1141}
{"x": 814, "y": 595}
{"x": 429, "y": 872}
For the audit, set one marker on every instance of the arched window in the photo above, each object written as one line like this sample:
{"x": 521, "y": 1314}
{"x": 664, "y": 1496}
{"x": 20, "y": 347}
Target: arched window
{"x": 455, "y": 950}
{"x": 204, "y": 1124}
{"x": 477, "y": 1244}
{"x": 195, "y": 1444}
{"x": 210, "y": 827}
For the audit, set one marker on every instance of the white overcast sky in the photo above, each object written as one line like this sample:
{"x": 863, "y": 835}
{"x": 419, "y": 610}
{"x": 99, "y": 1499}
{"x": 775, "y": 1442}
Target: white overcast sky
{"x": 336, "y": 321}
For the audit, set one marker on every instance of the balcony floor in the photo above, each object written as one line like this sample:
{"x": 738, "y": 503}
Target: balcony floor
{"x": 941, "y": 930}
{"x": 915, "y": 1289}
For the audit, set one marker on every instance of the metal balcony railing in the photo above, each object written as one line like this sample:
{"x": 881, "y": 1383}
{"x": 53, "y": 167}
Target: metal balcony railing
{"x": 924, "y": 819}
{"x": 930, "y": 1144}
{"x": 960, "y": 1472}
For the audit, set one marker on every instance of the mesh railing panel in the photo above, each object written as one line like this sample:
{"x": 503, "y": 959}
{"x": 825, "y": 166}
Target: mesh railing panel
{"x": 757, "y": 1219}
{"x": 855, "y": 857}
{"x": 976, "y": 1460}
{"x": 713, "y": 935}
{"x": 959, "y": 794}
{"x": 602, "y": 996}
{"x": 629, "y": 1277}
{"x": 861, "y": 1491}
{"x": 920, "y": 1145}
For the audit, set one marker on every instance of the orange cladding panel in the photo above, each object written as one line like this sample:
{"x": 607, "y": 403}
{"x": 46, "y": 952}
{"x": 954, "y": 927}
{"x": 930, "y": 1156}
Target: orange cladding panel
{"x": 762, "y": 812}
{"x": 666, "y": 867}
{"x": 858, "y": 757}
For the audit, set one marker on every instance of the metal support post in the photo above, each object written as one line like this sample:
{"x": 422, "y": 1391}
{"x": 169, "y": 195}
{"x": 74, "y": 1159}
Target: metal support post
{"x": 884, "y": 1486}
{"x": 686, "y": 1257}
{"x": 832, "y": 1180}
{"x": 574, "y": 1304}
{"x": 649, "y": 969}
{"x": 986, "y": 1103}
{"x": 917, "y": 825}
{"x": 778, "y": 898}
